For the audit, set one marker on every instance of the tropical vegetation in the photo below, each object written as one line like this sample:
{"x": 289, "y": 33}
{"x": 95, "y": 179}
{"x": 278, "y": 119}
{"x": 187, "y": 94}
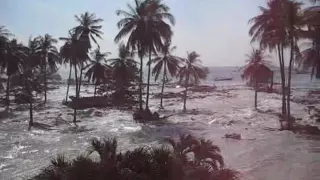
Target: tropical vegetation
{"x": 257, "y": 71}
{"x": 188, "y": 158}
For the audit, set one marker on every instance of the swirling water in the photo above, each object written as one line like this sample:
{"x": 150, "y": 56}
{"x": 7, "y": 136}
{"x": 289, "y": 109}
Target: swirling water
{"x": 262, "y": 154}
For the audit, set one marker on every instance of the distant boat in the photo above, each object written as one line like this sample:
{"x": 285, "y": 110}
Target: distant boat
{"x": 223, "y": 79}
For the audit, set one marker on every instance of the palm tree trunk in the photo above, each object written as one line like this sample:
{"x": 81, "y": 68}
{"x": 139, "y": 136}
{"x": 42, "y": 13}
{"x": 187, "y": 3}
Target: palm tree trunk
{"x": 256, "y": 94}
{"x": 77, "y": 96}
{"x": 163, "y": 82}
{"x": 31, "y": 115}
{"x": 95, "y": 89}
{"x": 80, "y": 79}
{"x": 290, "y": 121}
{"x": 140, "y": 83}
{"x": 283, "y": 80}
{"x": 148, "y": 85}
{"x": 45, "y": 79}
{"x": 271, "y": 84}
{"x": 8, "y": 92}
{"x": 69, "y": 82}
{"x": 185, "y": 92}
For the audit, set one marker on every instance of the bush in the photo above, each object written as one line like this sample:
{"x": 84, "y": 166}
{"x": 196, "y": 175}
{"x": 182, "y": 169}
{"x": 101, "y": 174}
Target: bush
{"x": 186, "y": 159}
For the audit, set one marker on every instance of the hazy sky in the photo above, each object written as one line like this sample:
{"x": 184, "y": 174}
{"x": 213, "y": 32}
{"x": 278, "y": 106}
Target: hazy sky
{"x": 216, "y": 29}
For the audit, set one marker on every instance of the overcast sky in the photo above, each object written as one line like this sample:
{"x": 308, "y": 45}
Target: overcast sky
{"x": 216, "y": 29}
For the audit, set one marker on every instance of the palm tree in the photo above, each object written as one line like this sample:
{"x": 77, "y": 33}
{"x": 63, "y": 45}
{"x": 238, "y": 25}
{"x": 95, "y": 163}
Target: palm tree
{"x": 191, "y": 72}
{"x": 165, "y": 62}
{"x": 76, "y": 52}
{"x": 124, "y": 68}
{"x": 65, "y": 54}
{"x": 88, "y": 29}
{"x": 276, "y": 28}
{"x": 151, "y": 14}
{"x": 50, "y": 57}
{"x": 309, "y": 57}
{"x": 256, "y": 70}
{"x": 97, "y": 69}
{"x": 13, "y": 57}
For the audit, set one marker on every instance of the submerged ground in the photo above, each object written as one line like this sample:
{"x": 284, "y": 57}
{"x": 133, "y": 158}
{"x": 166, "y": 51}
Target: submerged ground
{"x": 264, "y": 153}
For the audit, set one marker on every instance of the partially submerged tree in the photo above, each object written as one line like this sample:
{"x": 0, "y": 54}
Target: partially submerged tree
{"x": 88, "y": 30}
{"x": 256, "y": 70}
{"x": 49, "y": 57}
{"x": 191, "y": 73}
{"x": 124, "y": 72}
{"x": 147, "y": 41}
{"x": 97, "y": 69}
{"x": 276, "y": 28}
{"x": 12, "y": 59}
{"x": 167, "y": 64}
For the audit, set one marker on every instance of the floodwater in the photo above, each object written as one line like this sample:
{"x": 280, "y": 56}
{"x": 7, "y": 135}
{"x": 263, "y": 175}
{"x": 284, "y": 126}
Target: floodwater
{"x": 262, "y": 154}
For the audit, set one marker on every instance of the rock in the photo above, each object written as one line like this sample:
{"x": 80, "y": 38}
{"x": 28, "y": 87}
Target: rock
{"x": 233, "y": 136}
{"x": 318, "y": 120}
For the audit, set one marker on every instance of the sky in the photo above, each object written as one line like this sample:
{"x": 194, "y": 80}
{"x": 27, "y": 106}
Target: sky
{"x": 215, "y": 29}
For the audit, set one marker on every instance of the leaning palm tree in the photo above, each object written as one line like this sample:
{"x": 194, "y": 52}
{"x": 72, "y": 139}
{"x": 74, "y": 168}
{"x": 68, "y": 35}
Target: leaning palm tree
{"x": 191, "y": 73}
{"x": 89, "y": 28}
{"x": 148, "y": 13}
{"x": 50, "y": 57}
{"x": 97, "y": 69}
{"x": 124, "y": 68}
{"x": 256, "y": 70}
{"x": 165, "y": 62}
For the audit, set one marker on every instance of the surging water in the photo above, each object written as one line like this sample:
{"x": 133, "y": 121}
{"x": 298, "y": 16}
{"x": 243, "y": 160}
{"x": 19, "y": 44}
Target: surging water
{"x": 262, "y": 154}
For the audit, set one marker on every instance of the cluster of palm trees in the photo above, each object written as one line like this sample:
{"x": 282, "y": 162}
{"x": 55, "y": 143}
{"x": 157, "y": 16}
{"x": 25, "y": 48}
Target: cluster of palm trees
{"x": 146, "y": 28}
{"x": 187, "y": 159}
{"x": 281, "y": 26}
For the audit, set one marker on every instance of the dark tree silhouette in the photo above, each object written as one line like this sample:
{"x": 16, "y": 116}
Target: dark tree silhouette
{"x": 151, "y": 14}
{"x": 256, "y": 69}
{"x": 191, "y": 73}
{"x": 49, "y": 57}
{"x": 202, "y": 160}
{"x": 97, "y": 69}
{"x": 166, "y": 63}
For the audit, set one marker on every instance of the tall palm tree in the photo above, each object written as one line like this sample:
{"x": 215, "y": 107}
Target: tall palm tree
{"x": 97, "y": 69}
{"x": 88, "y": 29}
{"x": 50, "y": 57}
{"x": 191, "y": 73}
{"x": 13, "y": 57}
{"x": 124, "y": 68}
{"x": 256, "y": 70}
{"x": 148, "y": 13}
{"x": 165, "y": 62}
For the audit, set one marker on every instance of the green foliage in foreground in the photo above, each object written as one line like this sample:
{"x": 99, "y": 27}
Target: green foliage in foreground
{"x": 186, "y": 159}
